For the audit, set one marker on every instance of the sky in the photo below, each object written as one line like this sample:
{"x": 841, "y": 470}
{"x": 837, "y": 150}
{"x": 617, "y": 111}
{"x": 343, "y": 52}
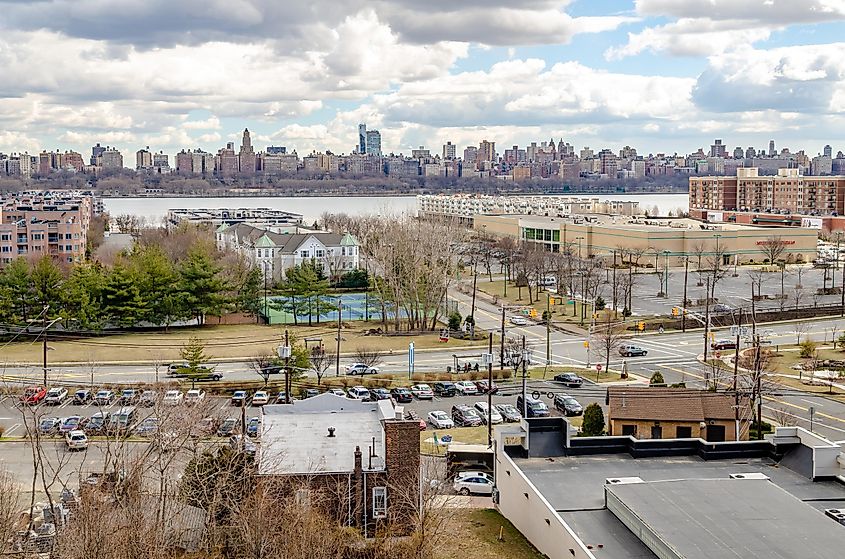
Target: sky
{"x": 659, "y": 75}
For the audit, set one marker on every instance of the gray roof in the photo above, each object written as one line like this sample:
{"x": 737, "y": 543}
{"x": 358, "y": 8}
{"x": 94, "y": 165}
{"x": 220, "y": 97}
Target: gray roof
{"x": 295, "y": 437}
{"x": 287, "y": 243}
{"x": 701, "y": 519}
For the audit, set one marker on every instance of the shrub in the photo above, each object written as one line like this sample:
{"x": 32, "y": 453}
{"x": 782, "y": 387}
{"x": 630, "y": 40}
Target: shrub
{"x": 657, "y": 379}
{"x": 506, "y": 374}
{"x": 2, "y": 430}
{"x": 593, "y": 424}
{"x": 808, "y": 348}
{"x": 600, "y": 303}
{"x": 455, "y": 320}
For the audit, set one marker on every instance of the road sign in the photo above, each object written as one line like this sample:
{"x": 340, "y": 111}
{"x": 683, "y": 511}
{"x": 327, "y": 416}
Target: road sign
{"x": 598, "y": 367}
{"x": 444, "y": 335}
{"x": 718, "y": 355}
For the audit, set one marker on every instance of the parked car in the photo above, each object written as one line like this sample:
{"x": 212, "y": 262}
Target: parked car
{"x": 82, "y": 397}
{"x": 128, "y": 396}
{"x": 228, "y": 427}
{"x": 568, "y": 405}
{"x": 723, "y": 344}
{"x": 445, "y": 389}
{"x": 253, "y": 426}
{"x": 173, "y": 397}
{"x": 465, "y": 474}
{"x": 260, "y": 398}
{"x": 361, "y": 369}
{"x": 402, "y": 395}
{"x": 240, "y": 443}
{"x": 358, "y": 393}
{"x": 194, "y": 396}
{"x": 508, "y": 412}
{"x": 49, "y": 425}
{"x": 69, "y": 424}
{"x": 533, "y": 407}
{"x": 377, "y": 394}
{"x": 518, "y": 321}
{"x": 484, "y": 387}
{"x": 310, "y": 393}
{"x": 33, "y": 395}
{"x": 55, "y": 396}
{"x": 631, "y": 350}
{"x": 147, "y": 427}
{"x": 204, "y": 428}
{"x": 281, "y": 397}
{"x": 97, "y": 422}
{"x": 473, "y": 485}
{"x": 466, "y": 387}
{"x": 422, "y": 392}
{"x": 104, "y": 397}
{"x": 122, "y": 420}
{"x": 440, "y": 420}
{"x": 465, "y": 416}
{"x": 148, "y": 398}
{"x": 569, "y": 379}
{"x": 493, "y": 413}
{"x": 337, "y": 392}
{"x": 76, "y": 440}
{"x": 239, "y": 398}
{"x": 722, "y": 309}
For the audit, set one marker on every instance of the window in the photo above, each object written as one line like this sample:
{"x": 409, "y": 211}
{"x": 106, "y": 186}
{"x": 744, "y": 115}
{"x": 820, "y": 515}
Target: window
{"x": 68, "y": 248}
{"x": 379, "y": 502}
{"x": 320, "y": 253}
{"x": 303, "y": 253}
{"x": 68, "y": 236}
{"x": 629, "y": 430}
{"x": 683, "y": 432}
{"x": 343, "y": 251}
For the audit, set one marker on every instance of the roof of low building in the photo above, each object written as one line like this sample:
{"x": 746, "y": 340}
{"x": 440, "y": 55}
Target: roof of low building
{"x": 295, "y": 437}
{"x": 669, "y": 404}
{"x": 286, "y": 242}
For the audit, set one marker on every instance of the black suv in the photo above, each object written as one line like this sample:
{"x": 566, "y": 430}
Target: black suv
{"x": 534, "y": 408}
{"x": 402, "y": 395}
{"x": 445, "y": 389}
{"x": 568, "y": 405}
{"x": 465, "y": 416}
{"x": 569, "y": 379}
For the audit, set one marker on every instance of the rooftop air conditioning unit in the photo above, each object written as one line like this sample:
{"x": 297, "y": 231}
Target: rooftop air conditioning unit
{"x": 836, "y": 514}
{"x": 750, "y": 475}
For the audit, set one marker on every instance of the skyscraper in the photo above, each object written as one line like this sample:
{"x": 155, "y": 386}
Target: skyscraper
{"x": 828, "y": 151}
{"x": 247, "y": 155}
{"x": 373, "y": 143}
{"x": 362, "y": 138}
{"x": 772, "y": 151}
{"x": 449, "y": 151}
{"x": 143, "y": 159}
{"x": 487, "y": 151}
{"x": 96, "y": 152}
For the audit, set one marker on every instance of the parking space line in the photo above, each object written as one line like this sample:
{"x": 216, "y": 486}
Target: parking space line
{"x": 10, "y": 429}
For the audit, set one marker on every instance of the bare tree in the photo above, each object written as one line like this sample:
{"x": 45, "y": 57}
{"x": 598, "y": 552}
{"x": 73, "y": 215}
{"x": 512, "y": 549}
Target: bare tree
{"x": 321, "y": 361}
{"x": 607, "y": 337}
{"x": 799, "y": 329}
{"x": 368, "y": 356}
{"x": 773, "y": 248}
{"x": 9, "y": 510}
{"x": 698, "y": 250}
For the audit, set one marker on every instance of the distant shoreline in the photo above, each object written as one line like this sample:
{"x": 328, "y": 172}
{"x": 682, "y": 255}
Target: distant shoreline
{"x": 380, "y": 194}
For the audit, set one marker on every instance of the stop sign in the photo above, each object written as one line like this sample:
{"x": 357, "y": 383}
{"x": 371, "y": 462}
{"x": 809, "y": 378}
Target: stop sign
{"x": 598, "y": 367}
{"x": 718, "y": 355}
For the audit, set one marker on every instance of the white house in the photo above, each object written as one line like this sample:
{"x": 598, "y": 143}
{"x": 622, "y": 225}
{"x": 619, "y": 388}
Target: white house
{"x": 274, "y": 252}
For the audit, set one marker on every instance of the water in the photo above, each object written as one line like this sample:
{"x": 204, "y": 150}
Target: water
{"x": 155, "y": 209}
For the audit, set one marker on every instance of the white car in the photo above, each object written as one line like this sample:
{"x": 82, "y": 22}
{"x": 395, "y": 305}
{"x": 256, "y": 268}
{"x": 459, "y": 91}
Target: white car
{"x": 173, "y": 397}
{"x": 466, "y": 387}
{"x": 260, "y": 398}
{"x": 422, "y": 392}
{"x": 466, "y": 474}
{"x": 495, "y": 416}
{"x": 337, "y": 391}
{"x": 194, "y": 396}
{"x": 361, "y": 369}
{"x": 55, "y": 396}
{"x": 473, "y": 484}
{"x": 358, "y": 393}
{"x": 76, "y": 440}
{"x": 518, "y": 321}
{"x": 440, "y": 420}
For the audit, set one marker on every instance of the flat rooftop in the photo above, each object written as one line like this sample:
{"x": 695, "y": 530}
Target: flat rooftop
{"x": 575, "y": 485}
{"x": 645, "y": 224}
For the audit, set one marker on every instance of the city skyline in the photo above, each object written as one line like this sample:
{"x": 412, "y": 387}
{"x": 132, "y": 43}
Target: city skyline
{"x": 660, "y": 76}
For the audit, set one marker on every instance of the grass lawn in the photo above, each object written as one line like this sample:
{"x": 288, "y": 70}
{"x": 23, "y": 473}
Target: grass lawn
{"x": 222, "y": 342}
{"x": 461, "y": 435}
{"x": 790, "y": 355}
{"x": 475, "y": 533}
{"x": 589, "y": 374}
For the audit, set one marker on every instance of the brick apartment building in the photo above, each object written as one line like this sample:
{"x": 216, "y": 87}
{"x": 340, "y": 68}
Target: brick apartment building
{"x": 786, "y": 193}
{"x": 51, "y": 223}
{"x": 675, "y": 413}
{"x": 353, "y": 458}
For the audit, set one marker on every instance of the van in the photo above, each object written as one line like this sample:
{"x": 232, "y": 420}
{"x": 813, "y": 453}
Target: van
{"x": 122, "y": 419}
{"x": 534, "y": 407}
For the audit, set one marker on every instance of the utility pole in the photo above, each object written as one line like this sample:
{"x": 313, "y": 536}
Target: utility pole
{"x": 472, "y": 309}
{"x": 524, "y": 375}
{"x": 502, "y": 343}
{"x": 615, "y": 287}
{"x": 337, "y": 353}
{"x": 44, "y": 340}
{"x": 684, "y": 303}
{"x": 706, "y": 331}
{"x": 490, "y": 390}
{"x": 548, "y": 330}
{"x": 288, "y": 384}
{"x": 734, "y": 386}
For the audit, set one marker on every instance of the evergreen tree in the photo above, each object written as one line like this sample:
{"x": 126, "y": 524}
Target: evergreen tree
{"x": 122, "y": 302}
{"x": 593, "y": 424}
{"x": 657, "y": 379}
{"x": 82, "y": 295}
{"x": 200, "y": 286}
{"x": 250, "y": 295}
{"x": 46, "y": 278}
{"x": 16, "y": 284}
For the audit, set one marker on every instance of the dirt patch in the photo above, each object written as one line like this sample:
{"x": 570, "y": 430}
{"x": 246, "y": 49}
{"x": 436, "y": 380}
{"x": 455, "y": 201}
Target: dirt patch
{"x": 475, "y": 533}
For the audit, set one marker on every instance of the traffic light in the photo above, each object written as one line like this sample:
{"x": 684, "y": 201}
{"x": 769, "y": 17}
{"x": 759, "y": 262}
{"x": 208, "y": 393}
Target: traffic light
{"x": 641, "y": 326}
{"x": 587, "y": 344}
{"x": 552, "y": 301}
{"x": 675, "y": 311}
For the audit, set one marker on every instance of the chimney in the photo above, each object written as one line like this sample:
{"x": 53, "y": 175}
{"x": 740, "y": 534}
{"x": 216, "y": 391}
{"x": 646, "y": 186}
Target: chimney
{"x": 331, "y": 432}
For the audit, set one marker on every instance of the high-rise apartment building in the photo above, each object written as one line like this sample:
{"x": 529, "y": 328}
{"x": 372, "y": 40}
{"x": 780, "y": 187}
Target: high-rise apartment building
{"x": 470, "y": 155}
{"x": 96, "y": 152}
{"x": 717, "y": 149}
{"x": 226, "y": 162}
{"x": 110, "y": 159}
{"x": 161, "y": 163}
{"x": 362, "y": 138}
{"x": 486, "y": 151}
{"x": 828, "y": 151}
{"x": 143, "y": 159}
{"x": 772, "y": 151}
{"x": 449, "y": 151}
{"x": 373, "y": 146}
{"x": 246, "y": 156}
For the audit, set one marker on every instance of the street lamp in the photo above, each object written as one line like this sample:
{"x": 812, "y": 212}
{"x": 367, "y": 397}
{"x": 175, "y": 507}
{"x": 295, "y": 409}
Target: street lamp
{"x": 666, "y": 274}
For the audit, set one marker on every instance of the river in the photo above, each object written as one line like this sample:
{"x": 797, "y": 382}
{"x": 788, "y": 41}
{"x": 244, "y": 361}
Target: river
{"x": 155, "y": 209}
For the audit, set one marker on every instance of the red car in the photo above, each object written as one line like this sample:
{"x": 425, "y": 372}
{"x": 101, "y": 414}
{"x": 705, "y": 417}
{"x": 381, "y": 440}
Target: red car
{"x": 483, "y": 388}
{"x": 34, "y": 395}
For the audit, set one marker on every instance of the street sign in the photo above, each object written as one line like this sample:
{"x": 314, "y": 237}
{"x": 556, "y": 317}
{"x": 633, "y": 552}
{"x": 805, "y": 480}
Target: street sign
{"x": 487, "y": 359}
{"x": 598, "y": 367}
{"x": 444, "y": 335}
{"x": 739, "y": 331}
{"x": 283, "y": 351}
{"x": 410, "y": 359}
{"x": 718, "y": 355}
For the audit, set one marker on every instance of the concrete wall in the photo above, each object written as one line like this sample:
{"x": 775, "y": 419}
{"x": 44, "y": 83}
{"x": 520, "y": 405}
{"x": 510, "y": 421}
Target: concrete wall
{"x": 531, "y": 514}
{"x": 670, "y": 428}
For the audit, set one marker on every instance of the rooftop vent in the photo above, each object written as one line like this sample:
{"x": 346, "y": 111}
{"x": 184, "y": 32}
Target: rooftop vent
{"x": 622, "y": 480}
{"x": 836, "y": 514}
{"x": 331, "y": 432}
{"x": 749, "y": 475}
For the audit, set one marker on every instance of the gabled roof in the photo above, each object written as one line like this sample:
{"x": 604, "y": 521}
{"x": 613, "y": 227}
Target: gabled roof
{"x": 668, "y": 404}
{"x": 287, "y": 243}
